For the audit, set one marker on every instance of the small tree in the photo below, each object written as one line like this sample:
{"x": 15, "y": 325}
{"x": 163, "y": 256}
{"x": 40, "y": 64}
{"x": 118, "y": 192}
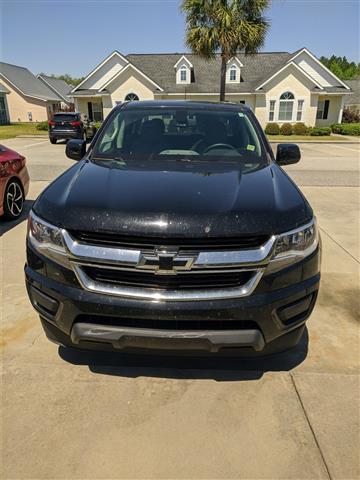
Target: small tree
{"x": 225, "y": 26}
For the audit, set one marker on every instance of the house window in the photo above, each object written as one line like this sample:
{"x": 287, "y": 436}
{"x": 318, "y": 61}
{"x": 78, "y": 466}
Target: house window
{"x": 286, "y": 107}
{"x": 299, "y": 110}
{"x": 183, "y": 74}
{"x": 97, "y": 112}
{"x": 233, "y": 74}
{"x": 3, "y": 112}
{"x": 131, "y": 97}
{"x": 272, "y": 110}
{"x": 323, "y": 109}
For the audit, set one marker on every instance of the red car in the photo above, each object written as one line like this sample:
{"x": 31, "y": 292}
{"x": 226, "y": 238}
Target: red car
{"x": 14, "y": 183}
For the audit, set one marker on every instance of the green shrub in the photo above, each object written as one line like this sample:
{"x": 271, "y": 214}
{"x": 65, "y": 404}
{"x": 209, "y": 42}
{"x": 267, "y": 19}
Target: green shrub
{"x": 320, "y": 131}
{"x": 299, "y": 129}
{"x": 272, "y": 129}
{"x": 286, "y": 129}
{"x": 336, "y": 127}
{"x": 42, "y": 126}
{"x": 350, "y": 129}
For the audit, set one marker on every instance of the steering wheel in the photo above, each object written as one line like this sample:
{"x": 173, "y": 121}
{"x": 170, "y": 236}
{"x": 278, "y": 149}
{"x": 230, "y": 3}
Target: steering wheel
{"x": 219, "y": 145}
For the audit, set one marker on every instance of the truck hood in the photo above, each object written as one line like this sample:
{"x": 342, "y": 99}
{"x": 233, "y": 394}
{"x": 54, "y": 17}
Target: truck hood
{"x": 192, "y": 199}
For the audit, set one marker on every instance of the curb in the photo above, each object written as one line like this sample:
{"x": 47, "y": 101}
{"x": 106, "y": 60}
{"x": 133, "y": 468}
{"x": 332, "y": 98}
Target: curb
{"x": 33, "y": 136}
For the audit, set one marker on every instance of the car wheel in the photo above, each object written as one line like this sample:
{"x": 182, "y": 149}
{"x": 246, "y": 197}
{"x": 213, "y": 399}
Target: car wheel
{"x": 13, "y": 200}
{"x": 53, "y": 140}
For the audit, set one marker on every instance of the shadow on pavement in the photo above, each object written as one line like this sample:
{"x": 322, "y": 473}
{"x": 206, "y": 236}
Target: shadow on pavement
{"x": 6, "y": 225}
{"x": 221, "y": 369}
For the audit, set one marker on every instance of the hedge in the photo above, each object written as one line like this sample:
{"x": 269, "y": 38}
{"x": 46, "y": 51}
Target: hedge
{"x": 286, "y": 129}
{"x": 300, "y": 129}
{"x": 352, "y": 129}
{"x": 320, "y": 131}
{"x": 272, "y": 129}
{"x": 42, "y": 126}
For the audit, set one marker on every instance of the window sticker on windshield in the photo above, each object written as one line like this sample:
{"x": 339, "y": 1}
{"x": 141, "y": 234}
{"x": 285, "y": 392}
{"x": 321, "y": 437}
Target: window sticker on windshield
{"x": 241, "y": 114}
{"x": 250, "y": 147}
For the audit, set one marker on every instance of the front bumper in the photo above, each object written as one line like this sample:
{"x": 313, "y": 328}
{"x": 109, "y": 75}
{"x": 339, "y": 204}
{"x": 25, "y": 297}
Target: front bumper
{"x": 269, "y": 319}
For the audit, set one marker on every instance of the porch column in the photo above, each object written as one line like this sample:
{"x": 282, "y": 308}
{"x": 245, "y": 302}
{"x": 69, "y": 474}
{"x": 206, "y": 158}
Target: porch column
{"x": 341, "y": 109}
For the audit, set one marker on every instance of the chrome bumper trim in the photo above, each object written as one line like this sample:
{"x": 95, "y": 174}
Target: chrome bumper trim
{"x": 156, "y": 295}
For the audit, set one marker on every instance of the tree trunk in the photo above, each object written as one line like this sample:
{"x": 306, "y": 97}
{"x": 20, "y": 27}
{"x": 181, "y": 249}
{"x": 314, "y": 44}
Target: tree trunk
{"x": 223, "y": 77}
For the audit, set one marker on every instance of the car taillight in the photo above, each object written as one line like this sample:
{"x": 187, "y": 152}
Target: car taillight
{"x": 75, "y": 124}
{"x": 52, "y": 123}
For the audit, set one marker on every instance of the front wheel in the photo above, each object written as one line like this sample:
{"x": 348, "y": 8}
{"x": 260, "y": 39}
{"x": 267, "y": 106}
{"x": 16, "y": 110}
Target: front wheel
{"x": 53, "y": 140}
{"x": 13, "y": 200}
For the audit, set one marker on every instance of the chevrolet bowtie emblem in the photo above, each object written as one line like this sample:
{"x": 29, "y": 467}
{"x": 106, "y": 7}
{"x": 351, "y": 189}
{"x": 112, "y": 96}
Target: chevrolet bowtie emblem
{"x": 163, "y": 262}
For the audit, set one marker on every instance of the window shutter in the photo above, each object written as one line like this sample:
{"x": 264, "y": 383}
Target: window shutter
{"x": 326, "y": 109}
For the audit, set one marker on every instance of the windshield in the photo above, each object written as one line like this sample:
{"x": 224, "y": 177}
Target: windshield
{"x": 179, "y": 132}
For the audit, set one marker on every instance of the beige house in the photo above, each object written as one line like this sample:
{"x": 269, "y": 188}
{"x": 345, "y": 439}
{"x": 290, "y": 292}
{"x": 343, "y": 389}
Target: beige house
{"x": 24, "y": 97}
{"x": 279, "y": 87}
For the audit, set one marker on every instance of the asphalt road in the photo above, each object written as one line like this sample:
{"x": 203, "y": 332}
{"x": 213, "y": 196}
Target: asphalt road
{"x": 295, "y": 416}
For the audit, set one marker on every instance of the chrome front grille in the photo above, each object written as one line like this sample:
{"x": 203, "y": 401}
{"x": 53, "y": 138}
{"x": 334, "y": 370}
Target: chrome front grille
{"x": 169, "y": 272}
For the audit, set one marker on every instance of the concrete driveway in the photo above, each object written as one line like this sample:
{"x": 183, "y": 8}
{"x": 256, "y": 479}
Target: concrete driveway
{"x": 295, "y": 416}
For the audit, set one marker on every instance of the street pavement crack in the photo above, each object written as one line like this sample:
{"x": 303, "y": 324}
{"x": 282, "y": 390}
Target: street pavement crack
{"x": 310, "y": 426}
{"x": 339, "y": 245}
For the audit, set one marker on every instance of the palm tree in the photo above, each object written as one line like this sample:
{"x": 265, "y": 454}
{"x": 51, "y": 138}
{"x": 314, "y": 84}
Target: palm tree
{"x": 225, "y": 26}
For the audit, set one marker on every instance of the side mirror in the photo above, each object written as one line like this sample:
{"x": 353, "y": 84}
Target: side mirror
{"x": 75, "y": 149}
{"x": 287, "y": 153}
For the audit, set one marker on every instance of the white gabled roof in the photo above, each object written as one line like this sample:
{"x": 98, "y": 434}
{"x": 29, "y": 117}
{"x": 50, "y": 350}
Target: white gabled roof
{"x": 305, "y": 50}
{"x": 291, "y": 62}
{"x": 287, "y": 65}
{"x": 235, "y": 60}
{"x": 114, "y": 53}
{"x": 185, "y": 60}
{"x": 120, "y": 72}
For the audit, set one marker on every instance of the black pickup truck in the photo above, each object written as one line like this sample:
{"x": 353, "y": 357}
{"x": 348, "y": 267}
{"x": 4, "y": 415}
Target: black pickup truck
{"x": 176, "y": 230}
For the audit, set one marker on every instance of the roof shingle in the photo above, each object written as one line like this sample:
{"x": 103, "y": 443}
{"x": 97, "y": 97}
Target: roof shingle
{"x": 160, "y": 68}
{"x": 27, "y": 83}
{"x": 59, "y": 86}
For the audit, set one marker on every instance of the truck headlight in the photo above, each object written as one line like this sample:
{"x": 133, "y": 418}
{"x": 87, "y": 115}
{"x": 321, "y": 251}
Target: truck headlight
{"x": 290, "y": 247}
{"x": 47, "y": 240}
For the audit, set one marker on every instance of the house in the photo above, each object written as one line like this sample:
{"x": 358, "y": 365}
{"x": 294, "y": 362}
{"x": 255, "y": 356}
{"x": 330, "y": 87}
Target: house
{"x": 279, "y": 87}
{"x": 25, "y": 98}
{"x": 62, "y": 90}
{"x": 352, "y": 102}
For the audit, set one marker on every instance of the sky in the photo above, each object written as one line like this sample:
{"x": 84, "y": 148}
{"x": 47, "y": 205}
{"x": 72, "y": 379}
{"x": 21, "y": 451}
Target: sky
{"x": 73, "y": 36}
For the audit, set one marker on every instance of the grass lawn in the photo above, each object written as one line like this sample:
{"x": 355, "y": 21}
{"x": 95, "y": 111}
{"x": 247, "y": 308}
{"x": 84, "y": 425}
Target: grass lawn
{"x": 309, "y": 138}
{"x": 16, "y": 129}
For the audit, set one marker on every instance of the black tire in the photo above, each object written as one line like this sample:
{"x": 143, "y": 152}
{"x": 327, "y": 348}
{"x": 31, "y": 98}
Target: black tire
{"x": 13, "y": 200}
{"x": 53, "y": 140}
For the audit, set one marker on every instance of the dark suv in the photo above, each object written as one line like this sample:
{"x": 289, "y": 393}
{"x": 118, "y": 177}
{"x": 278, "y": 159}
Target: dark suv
{"x": 177, "y": 229}
{"x": 65, "y": 125}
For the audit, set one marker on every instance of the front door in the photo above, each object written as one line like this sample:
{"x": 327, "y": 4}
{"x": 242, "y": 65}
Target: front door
{"x": 90, "y": 111}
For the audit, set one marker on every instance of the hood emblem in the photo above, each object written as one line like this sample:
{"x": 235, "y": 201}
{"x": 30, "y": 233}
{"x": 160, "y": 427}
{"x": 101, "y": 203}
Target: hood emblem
{"x": 164, "y": 262}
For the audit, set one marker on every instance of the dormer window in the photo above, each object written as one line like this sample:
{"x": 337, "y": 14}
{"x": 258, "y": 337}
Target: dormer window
{"x": 183, "y": 74}
{"x": 183, "y": 70}
{"x": 233, "y": 74}
{"x": 233, "y": 71}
